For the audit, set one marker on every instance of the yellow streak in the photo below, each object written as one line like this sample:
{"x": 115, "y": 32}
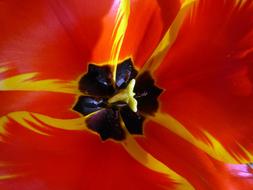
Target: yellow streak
{"x": 119, "y": 33}
{"x": 23, "y": 118}
{"x": 168, "y": 39}
{"x": 25, "y": 82}
{"x": 240, "y": 3}
{"x": 9, "y": 176}
{"x": 215, "y": 149}
{"x": 77, "y": 124}
{"x": 3, "y": 121}
{"x": 3, "y": 69}
{"x": 29, "y": 119}
{"x": 147, "y": 160}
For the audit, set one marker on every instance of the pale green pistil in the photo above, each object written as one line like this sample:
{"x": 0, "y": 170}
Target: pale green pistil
{"x": 126, "y": 95}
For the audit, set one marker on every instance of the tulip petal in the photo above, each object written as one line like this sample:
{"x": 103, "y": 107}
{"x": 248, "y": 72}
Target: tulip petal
{"x": 168, "y": 39}
{"x": 42, "y": 122}
{"x": 119, "y": 32}
{"x": 207, "y": 144}
{"x": 54, "y": 38}
{"x": 207, "y": 75}
{"x": 27, "y": 82}
{"x": 146, "y": 23}
{"x": 201, "y": 170}
{"x": 144, "y": 158}
{"x": 68, "y": 159}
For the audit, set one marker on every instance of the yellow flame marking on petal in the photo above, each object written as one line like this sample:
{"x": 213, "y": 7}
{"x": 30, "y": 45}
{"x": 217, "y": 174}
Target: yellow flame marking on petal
{"x": 24, "y": 119}
{"x": 119, "y": 33}
{"x": 42, "y": 122}
{"x": 3, "y": 69}
{"x": 26, "y": 82}
{"x": 3, "y": 121}
{"x": 6, "y": 164}
{"x": 9, "y": 176}
{"x": 147, "y": 160}
{"x": 240, "y": 3}
{"x": 77, "y": 124}
{"x": 168, "y": 39}
{"x": 214, "y": 148}
{"x": 150, "y": 162}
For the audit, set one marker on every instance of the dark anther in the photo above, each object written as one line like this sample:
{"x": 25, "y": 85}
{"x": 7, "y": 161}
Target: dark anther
{"x": 107, "y": 123}
{"x": 111, "y": 117}
{"x": 97, "y": 82}
{"x": 132, "y": 120}
{"x": 86, "y": 104}
{"x": 125, "y": 73}
{"x": 147, "y": 93}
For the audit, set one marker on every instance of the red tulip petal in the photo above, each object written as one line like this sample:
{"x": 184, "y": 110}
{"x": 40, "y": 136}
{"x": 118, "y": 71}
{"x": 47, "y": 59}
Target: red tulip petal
{"x": 147, "y": 160}
{"x": 55, "y": 38}
{"x": 53, "y": 104}
{"x": 207, "y": 75}
{"x": 169, "y": 38}
{"x": 146, "y": 24}
{"x": 205, "y": 142}
{"x": 28, "y": 82}
{"x": 201, "y": 170}
{"x": 69, "y": 160}
{"x": 45, "y": 46}
{"x": 28, "y": 91}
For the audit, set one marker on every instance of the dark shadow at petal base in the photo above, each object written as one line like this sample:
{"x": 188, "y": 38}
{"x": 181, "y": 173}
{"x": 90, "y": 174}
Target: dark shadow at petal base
{"x": 107, "y": 117}
{"x": 133, "y": 121}
{"x": 125, "y": 73}
{"x": 97, "y": 81}
{"x": 147, "y": 94}
{"x": 86, "y": 104}
{"x": 107, "y": 123}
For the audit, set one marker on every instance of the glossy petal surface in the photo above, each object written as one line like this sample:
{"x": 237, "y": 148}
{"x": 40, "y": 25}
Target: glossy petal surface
{"x": 45, "y": 47}
{"x": 40, "y": 148}
{"x": 208, "y": 74}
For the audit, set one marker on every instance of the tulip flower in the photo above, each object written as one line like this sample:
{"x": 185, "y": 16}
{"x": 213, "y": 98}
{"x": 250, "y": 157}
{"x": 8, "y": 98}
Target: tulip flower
{"x": 126, "y": 94}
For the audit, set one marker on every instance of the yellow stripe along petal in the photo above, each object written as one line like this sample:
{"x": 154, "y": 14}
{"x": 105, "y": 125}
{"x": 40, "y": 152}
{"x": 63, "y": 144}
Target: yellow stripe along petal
{"x": 29, "y": 120}
{"x": 240, "y": 3}
{"x": 3, "y": 69}
{"x": 214, "y": 148}
{"x": 168, "y": 39}
{"x": 77, "y": 124}
{"x": 147, "y": 160}
{"x": 119, "y": 33}
{"x": 9, "y": 176}
{"x": 6, "y": 174}
{"x": 40, "y": 123}
{"x": 26, "y": 82}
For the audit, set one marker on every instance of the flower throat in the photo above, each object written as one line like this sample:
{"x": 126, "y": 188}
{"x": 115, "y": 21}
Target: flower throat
{"x": 114, "y": 109}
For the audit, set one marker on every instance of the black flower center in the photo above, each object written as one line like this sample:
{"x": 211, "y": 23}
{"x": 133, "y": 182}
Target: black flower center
{"x": 114, "y": 107}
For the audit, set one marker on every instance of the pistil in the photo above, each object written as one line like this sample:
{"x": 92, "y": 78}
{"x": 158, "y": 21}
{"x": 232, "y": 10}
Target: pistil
{"x": 126, "y": 95}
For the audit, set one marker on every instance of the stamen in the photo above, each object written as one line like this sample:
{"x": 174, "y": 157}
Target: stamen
{"x": 126, "y": 95}
{"x": 105, "y": 102}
